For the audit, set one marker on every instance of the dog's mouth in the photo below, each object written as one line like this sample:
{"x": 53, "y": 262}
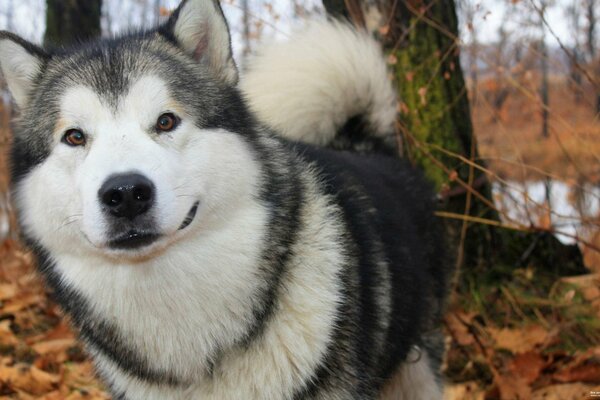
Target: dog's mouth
{"x": 136, "y": 239}
{"x": 190, "y": 216}
{"x": 133, "y": 240}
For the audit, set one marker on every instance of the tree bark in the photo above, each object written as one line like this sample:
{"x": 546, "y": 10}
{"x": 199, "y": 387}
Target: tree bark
{"x": 422, "y": 42}
{"x": 72, "y": 21}
{"x": 436, "y": 115}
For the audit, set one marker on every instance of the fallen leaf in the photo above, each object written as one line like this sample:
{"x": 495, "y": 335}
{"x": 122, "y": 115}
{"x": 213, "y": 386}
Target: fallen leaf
{"x": 527, "y": 366}
{"x": 8, "y": 290}
{"x": 572, "y": 391}
{"x": 587, "y": 372}
{"x": 53, "y": 346}
{"x": 7, "y": 337}
{"x": 460, "y": 332}
{"x": 513, "y": 387}
{"x": 28, "y": 379}
{"x": 464, "y": 391}
{"x": 43, "y": 378}
{"x": 22, "y": 302}
{"x": 520, "y": 340}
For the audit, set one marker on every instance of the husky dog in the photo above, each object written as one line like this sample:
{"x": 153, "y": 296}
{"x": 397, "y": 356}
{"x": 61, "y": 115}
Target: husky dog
{"x": 211, "y": 240}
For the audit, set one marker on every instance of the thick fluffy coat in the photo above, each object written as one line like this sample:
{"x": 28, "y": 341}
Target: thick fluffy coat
{"x": 202, "y": 256}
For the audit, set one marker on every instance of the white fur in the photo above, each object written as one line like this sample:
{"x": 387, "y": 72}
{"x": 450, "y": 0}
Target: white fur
{"x": 415, "y": 380}
{"x": 202, "y": 32}
{"x": 308, "y": 87}
{"x": 19, "y": 68}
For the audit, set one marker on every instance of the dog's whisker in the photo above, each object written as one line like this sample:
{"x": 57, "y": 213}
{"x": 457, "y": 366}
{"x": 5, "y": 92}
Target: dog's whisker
{"x": 68, "y": 221}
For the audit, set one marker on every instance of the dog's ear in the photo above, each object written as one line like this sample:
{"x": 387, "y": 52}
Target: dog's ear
{"x": 21, "y": 63}
{"x": 200, "y": 29}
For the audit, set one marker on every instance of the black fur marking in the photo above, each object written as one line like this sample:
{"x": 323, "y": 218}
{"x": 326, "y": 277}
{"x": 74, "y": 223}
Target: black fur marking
{"x": 355, "y": 136}
{"x": 23, "y": 159}
{"x": 404, "y": 224}
{"x": 282, "y": 194}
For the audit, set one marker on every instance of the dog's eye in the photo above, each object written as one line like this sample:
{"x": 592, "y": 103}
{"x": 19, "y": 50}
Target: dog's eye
{"x": 74, "y": 137}
{"x": 167, "y": 122}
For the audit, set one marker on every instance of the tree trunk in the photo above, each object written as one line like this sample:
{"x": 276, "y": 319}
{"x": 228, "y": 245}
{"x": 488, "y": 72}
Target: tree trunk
{"x": 436, "y": 114}
{"x": 422, "y": 39}
{"x": 591, "y": 28}
{"x": 72, "y": 21}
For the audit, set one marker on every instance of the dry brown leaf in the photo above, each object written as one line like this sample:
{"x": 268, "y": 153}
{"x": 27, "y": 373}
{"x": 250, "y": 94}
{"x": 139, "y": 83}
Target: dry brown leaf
{"x": 44, "y": 378}
{"x": 22, "y": 302}
{"x": 512, "y": 388}
{"x": 527, "y": 366}
{"x": 28, "y": 379}
{"x": 87, "y": 395}
{"x": 7, "y": 337}
{"x": 8, "y": 290}
{"x": 586, "y": 372}
{"x": 25, "y": 396}
{"x": 571, "y": 391}
{"x": 464, "y": 391}
{"x": 54, "y": 395}
{"x": 520, "y": 340}
{"x": 54, "y": 346}
{"x": 456, "y": 324}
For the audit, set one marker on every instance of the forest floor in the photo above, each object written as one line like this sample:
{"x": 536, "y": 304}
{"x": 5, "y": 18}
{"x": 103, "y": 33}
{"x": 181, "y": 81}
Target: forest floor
{"x": 514, "y": 333}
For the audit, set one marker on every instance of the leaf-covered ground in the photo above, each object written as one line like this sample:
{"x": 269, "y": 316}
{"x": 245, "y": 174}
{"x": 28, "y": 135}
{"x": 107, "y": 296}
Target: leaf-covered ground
{"x": 39, "y": 355}
{"x": 526, "y": 336}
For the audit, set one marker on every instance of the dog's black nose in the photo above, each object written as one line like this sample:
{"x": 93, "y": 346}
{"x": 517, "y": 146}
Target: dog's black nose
{"x": 127, "y": 195}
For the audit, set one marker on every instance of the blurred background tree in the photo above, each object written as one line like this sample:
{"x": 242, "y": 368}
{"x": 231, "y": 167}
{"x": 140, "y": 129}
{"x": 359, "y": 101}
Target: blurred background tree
{"x": 72, "y": 21}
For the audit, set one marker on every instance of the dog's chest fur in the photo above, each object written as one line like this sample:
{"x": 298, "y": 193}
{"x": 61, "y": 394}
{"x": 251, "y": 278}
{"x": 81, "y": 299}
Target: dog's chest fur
{"x": 189, "y": 310}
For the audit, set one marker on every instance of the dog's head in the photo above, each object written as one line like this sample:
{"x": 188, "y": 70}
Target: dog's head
{"x": 125, "y": 145}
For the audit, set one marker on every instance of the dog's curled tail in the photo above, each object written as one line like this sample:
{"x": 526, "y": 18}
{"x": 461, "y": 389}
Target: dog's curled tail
{"x": 327, "y": 85}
